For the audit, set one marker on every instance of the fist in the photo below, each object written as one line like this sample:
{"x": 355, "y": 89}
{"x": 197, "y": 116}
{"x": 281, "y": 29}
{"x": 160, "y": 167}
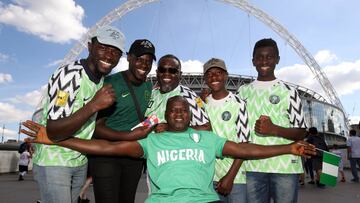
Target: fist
{"x": 104, "y": 97}
{"x": 264, "y": 126}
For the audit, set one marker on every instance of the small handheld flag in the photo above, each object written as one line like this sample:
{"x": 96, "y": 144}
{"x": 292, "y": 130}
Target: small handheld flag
{"x": 330, "y": 167}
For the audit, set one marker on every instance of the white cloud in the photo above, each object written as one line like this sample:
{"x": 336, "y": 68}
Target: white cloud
{"x": 343, "y": 76}
{"x": 10, "y": 114}
{"x": 5, "y": 78}
{"x": 190, "y": 66}
{"x": 31, "y": 98}
{"x": 325, "y": 57}
{"x": 4, "y": 57}
{"x": 9, "y": 134}
{"x": 51, "y": 20}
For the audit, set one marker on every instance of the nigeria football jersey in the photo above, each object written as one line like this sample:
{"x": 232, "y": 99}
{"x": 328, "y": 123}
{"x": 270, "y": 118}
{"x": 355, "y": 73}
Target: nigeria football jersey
{"x": 157, "y": 104}
{"x": 69, "y": 89}
{"x": 228, "y": 118}
{"x": 283, "y": 105}
{"x": 181, "y": 165}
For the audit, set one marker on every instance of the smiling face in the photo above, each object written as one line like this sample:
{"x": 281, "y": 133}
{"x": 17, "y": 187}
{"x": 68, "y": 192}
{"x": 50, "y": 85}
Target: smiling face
{"x": 168, "y": 74}
{"x": 177, "y": 114}
{"x": 139, "y": 67}
{"x": 102, "y": 58}
{"x": 265, "y": 60}
{"x": 215, "y": 79}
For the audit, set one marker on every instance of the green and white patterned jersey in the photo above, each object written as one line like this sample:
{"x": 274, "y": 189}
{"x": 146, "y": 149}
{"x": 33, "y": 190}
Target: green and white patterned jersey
{"x": 229, "y": 119}
{"x": 181, "y": 165}
{"x": 69, "y": 89}
{"x": 283, "y": 105}
{"x": 157, "y": 104}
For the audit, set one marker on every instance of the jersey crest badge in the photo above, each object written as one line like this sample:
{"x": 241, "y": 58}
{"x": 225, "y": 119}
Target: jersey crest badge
{"x": 274, "y": 99}
{"x": 195, "y": 137}
{"x": 226, "y": 115}
{"x": 61, "y": 98}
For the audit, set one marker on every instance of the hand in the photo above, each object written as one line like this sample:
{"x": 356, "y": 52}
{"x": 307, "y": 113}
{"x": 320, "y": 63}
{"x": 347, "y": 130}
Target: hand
{"x": 141, "y": 132}
{"x": 38, "y": 132}
{"x": 103, "y": 98}
{"x": 303, "y": 148}
{"x": 225, "y": 185}
{"x": 265, "y": 126}
{"x": 161, "y": 127}
{"x": 204, "y": 93}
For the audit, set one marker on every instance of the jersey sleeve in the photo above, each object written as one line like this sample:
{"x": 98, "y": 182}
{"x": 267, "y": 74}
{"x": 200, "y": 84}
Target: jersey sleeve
{"x": 295, "y": 111}
{"x": 63, "y": 87}
{"x": 199, "y": 117}
{"x": 219, "y": 143}
{"x": 242, "y": 122}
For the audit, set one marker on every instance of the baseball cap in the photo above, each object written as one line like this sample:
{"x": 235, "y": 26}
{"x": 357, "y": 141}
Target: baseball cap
{"x": 214, "y": 62}
{"x": 142, "y": 46}
{"x": 109, "y": 35}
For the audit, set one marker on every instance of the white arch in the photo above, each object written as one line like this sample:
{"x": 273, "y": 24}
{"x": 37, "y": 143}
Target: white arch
{"x": 244, "y": 5}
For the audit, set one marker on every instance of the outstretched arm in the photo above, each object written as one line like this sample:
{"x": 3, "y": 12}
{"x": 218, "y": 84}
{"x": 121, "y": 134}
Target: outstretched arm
{"x": 97, "y": 147}
{"x": 265, "y": 126}
{"x": 253, "y": 151}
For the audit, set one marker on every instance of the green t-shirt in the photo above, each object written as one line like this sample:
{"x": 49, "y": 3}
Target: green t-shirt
{"x": 229, "y": 119}
{"x": 122, "y": 115}
{"x": 181, "y": 165}
{"x": 157, "y": 104}
{"x": 283, "y": 105}
{"x": 69, "y": 89}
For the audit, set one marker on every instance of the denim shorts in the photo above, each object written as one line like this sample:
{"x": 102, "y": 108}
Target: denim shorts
{"x": 237, "y": 195}
{"x": 60, "y": 184}
{"x": 282, "y": 188}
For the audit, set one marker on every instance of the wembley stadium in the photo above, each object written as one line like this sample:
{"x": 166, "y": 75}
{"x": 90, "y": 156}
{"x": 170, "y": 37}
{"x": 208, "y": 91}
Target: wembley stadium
{"x": 326, "y": 117}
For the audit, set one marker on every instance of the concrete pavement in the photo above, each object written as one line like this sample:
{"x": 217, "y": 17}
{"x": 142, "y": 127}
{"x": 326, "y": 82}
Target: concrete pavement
{"x": 14, "y": 191}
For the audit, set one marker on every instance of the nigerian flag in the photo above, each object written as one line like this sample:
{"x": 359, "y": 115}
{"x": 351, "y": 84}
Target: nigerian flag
{"x": 330, "y": 167}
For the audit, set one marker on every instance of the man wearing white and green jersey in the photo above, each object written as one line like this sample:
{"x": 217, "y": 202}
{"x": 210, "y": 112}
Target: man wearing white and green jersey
{"x": 229, "y": 119}
{"x": 168, "y": 75}
{"x": 275, "y": 117}
{"x": 74, "y": 95}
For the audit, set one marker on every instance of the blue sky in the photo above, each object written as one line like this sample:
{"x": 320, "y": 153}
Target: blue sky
{"x": 36, "y": 35}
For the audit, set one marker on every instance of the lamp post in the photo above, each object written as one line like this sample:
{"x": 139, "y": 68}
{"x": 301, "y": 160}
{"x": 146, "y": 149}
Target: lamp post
{"x": 2, "y": 137}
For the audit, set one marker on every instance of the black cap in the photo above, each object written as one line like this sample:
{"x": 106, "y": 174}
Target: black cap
{"x": 142, "y": 46}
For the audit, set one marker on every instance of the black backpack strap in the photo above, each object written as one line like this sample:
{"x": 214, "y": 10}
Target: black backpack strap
{"x": 138, "y": 111}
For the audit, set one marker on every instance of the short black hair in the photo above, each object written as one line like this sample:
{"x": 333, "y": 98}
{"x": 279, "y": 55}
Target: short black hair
{"x": 313, "y": 131}
{"x": 266, "y": 42}
{"x": 170, "y": 56}
{"x": 352, "y": 132}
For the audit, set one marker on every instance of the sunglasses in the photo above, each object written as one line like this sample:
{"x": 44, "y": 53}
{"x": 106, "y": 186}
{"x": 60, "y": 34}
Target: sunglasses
{"x": 168, "y": 70}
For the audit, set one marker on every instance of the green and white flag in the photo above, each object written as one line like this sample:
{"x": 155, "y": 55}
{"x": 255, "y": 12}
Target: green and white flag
{"x": 330, "y": 167}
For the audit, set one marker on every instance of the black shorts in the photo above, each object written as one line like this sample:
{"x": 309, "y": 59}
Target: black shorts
{"x": 23, "y": 168}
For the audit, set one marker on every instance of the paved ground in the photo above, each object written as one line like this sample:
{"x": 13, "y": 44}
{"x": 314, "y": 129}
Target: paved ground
{"x": 13, "y": 191}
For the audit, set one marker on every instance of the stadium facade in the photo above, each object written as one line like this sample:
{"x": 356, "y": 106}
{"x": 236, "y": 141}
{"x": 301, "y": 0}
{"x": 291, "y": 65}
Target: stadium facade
{"x": 327, "y": 118}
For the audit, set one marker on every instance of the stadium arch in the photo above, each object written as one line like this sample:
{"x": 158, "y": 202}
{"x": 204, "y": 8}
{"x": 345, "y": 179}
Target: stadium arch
{"x": 244, "y": 5}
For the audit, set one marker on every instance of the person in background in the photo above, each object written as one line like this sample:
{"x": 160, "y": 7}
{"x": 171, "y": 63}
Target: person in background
{"x": 319, "y": 142}
{"x": 25, "y": 157}
{"x": 353, "y": 152}
{"x": 340, "y": 153}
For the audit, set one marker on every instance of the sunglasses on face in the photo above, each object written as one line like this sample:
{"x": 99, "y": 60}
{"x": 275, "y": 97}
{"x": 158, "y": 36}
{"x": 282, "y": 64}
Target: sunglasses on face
{"x": 168, "y": 70}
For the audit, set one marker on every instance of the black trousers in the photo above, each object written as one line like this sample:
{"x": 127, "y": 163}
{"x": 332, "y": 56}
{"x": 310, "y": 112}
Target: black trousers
{"x": 115, "y": 179}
